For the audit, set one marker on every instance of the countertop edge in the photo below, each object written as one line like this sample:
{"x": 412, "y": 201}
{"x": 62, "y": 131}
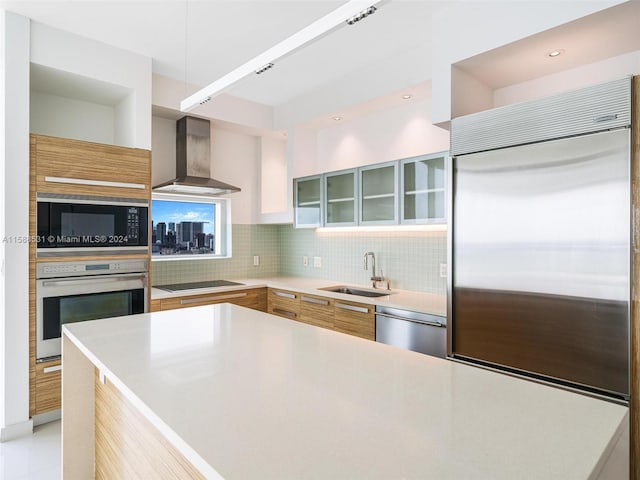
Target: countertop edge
{"x": 424, "y": 302}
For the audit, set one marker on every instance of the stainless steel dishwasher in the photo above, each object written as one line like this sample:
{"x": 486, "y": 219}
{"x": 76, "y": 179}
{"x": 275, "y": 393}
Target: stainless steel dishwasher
{"x": 415, "y": 331}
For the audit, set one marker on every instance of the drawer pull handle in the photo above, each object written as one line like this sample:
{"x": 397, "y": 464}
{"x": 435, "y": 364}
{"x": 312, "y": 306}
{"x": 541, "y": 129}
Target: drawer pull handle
{"x": 55, "y": 368}
{"x": 188, "y": 301}
{"x": 353, "y": 308}
{"x": 284, "y": 294}
{"x": 314, "y": 300}
{"x": 286, "y": 313}
{"x": 98, "y": 183}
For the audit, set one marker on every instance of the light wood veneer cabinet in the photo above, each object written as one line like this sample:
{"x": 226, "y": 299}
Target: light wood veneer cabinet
{"x": 342, "y": 316}
{"x": 74, "y": 167}
{"x": 255, "y": 298}
{"x": 355, "y": 319}
{"x": 48, "y": 384}
{"x": 86, "y": 168}
{"x": 284, "y": 303}
{"x": 316, "y": 310}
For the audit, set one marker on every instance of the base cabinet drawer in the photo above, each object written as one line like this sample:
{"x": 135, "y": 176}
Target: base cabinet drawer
{"x": 48, "y": 391}
{"x": 284, "y": 303}
{"x": 316, "y": 310}
{"x": 355, "y": 319}
{"x": 255, "y": 298}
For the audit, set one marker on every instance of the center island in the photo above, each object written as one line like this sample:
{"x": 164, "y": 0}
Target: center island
{"x": 225, "y": 392}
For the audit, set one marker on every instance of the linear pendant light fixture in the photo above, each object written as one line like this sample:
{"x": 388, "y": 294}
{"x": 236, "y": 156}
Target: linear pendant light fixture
{"x": 354, "y": 9}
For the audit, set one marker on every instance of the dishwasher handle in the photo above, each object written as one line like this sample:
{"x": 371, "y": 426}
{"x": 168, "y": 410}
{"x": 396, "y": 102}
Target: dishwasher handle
{"x": 414, "y": 320}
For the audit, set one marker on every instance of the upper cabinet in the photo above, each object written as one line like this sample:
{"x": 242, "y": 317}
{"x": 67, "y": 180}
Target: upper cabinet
{"x": 77, "y": 167}
{"x": 341, "y": 189}
{"x": 409, "y": 191}
{"x": 423, "y": 189}
{"x": 308, "y": 201}
{"x": 379, "y": 194}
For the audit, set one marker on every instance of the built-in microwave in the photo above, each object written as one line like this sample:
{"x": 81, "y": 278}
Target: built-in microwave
{"x": 79, "y": 225}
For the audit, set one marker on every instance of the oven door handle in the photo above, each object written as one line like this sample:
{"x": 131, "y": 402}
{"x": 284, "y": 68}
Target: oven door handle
{"x": 93, "y": 280}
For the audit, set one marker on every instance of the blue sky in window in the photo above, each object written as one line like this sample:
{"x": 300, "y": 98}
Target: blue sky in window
{"x": 168, "y": 211}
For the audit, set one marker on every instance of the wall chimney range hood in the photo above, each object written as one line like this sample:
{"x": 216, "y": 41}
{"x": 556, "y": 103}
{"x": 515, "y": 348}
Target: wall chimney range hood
{"x": 193, "y": 161}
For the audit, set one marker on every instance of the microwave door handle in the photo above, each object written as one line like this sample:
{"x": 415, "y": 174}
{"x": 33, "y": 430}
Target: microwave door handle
{"x": 92, "y": 281}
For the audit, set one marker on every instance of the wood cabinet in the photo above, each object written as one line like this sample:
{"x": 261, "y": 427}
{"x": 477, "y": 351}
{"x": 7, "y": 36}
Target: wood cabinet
{"x": 74, "y": 167}
{"x": 316, "y": 310}
{"x": 342, "y": 316}
{"x": 85, "y": 168}
{"x": 48, "y": 382}
{"x": 255, "y": 298}
{"x": 284, "y": 303}
{"x": 355, "y": 319}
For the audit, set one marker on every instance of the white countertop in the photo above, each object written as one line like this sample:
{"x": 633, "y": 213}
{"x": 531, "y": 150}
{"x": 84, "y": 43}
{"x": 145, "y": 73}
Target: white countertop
{"x": 410, "y": 300}
{"x": 247, "y": 395}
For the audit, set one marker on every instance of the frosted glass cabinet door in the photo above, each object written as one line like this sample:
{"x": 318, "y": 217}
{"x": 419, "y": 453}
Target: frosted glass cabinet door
{"x": 308, "y": 201}
{"x": 340, "y": 198}
{"x": 423, "y": 189}
{"x": 379, "y": 194}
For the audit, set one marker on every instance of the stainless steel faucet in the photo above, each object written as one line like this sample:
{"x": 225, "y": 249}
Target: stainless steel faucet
{"x": 374, "y": 277}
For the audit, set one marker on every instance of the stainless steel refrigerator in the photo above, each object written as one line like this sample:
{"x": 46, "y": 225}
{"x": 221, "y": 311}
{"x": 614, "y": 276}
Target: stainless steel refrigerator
{"x": 539, "y": 239}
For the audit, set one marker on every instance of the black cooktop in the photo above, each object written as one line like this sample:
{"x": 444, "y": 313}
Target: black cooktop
{"x": 176, "y": 287}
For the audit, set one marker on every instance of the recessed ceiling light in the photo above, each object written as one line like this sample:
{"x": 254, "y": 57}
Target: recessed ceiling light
{"x": 406, "y": 96}
{"x": 555, "y": 53}
{"x": 337, "y": 118}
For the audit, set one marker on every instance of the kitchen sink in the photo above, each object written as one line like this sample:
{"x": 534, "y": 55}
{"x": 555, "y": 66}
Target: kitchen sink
{"x": 357, "y": 291}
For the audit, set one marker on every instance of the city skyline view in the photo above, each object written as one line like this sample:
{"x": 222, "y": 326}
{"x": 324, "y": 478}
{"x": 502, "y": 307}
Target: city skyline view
{"x": 167, "y": 212}
{"x": 182, "y": 228}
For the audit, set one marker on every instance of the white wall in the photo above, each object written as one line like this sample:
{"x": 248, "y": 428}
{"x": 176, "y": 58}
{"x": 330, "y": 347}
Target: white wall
{"x": 236, "y": 160}
{"x": 88, "y": 58}
{"x": 70, "y": 118}
{"x": 273, "y": 175}
{"x": 484, "y": 26}
{"x": 14, "y": 224}
{"x": 583, "y": 76}
{"x": 163, "y": 148}
{"x": 391, "y": 134}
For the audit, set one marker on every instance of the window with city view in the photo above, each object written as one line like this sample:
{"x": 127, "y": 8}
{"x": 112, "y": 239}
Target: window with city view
{"x": 184, "y": 226}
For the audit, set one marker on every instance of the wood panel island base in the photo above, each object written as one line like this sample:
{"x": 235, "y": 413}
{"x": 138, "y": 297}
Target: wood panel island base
{"x": 223, "y": 391}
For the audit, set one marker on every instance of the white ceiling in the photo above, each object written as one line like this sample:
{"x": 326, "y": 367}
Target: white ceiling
{"x": 198, "y": 41}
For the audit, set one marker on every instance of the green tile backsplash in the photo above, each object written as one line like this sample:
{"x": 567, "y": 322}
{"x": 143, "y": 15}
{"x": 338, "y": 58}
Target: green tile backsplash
{"x": 247, "y": 241}
{"x": 410, "y": 259}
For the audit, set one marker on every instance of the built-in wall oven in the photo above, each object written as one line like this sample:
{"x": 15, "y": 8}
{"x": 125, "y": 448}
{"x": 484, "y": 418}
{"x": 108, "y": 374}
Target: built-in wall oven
{"x": 68, "y": 292}
{"x": 74, "y": 225}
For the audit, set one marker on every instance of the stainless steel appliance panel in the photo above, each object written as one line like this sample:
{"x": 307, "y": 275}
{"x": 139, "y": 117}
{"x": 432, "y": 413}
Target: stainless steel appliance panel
{"x": 414, "y": 331}
{"x": 80, "y": 291}
{"x": 541, "y": 259}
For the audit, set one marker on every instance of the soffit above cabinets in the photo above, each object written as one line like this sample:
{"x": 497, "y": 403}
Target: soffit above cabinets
{"x": 607, "y": 33}
{"x": 68, "y": 85}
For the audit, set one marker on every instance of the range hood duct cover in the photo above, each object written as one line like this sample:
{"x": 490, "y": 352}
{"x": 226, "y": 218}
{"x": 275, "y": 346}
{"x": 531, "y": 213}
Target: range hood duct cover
{"x": 193, "y": 161}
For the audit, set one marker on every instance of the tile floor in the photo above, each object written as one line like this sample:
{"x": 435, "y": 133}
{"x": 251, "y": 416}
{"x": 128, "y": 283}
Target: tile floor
{"x": 32, "y": 457}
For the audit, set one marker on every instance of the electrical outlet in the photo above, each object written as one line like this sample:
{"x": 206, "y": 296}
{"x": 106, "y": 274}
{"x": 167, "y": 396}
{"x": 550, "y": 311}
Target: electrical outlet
{"x": 443, "y": 270}
{"x": 317, "y": 262}
{"x": 256, "y": 260}
{"x": 305, "y": 260}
